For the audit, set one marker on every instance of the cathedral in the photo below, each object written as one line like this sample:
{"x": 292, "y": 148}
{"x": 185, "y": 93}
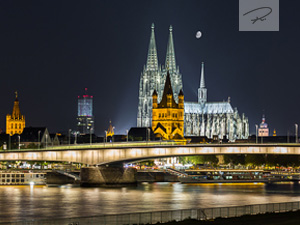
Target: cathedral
{"x": 210, "y": 119}
{"x": 153, "y": 78}
{"x": 201, "y": 118}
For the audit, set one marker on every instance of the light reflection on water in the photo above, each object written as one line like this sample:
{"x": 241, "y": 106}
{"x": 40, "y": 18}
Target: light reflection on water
{"x": 25, "y": 202}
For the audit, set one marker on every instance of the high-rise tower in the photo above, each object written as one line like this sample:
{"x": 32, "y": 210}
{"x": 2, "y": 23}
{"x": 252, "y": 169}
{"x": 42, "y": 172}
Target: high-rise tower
{"x": 15, "y": 123}
{"x": 153, "y": 78}
{"x": 85, "y": 118}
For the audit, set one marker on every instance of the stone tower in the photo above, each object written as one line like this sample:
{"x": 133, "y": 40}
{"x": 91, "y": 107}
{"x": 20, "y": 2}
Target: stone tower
{"x": 15, "y": 123}
{"x": 168, "y": 116}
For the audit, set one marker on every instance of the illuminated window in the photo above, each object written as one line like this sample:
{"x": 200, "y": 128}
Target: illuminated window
{"x": 19, "y": 126}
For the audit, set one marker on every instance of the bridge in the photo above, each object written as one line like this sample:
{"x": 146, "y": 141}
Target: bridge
{"x": 129, "y": 152}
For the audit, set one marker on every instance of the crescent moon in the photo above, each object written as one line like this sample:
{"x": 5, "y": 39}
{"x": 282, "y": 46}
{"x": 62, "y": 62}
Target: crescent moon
{"x": 198, "y": 34}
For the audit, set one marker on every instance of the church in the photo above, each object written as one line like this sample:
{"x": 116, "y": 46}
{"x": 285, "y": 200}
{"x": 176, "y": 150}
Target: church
{"x": 15, "y": 122}
{"x": 167, "y": 115}
{"x": 201, "y": 118}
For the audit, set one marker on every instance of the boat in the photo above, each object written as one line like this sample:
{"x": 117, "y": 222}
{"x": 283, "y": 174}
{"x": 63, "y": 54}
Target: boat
{"x": 22, "y": 178}
{"x": 225, "y": 176}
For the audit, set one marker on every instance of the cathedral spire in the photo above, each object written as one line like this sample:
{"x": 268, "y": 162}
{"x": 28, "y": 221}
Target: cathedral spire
{"x": 202, "y": 81}
{"x": 202, "y": 91}
{"x": 170, "y": 63}
{"x": 152, "y": 60}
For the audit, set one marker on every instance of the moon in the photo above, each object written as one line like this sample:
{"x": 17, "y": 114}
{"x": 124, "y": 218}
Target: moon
{"x": 198, "y": 34}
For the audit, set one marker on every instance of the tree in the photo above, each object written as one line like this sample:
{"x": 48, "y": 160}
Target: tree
{"x": 32, "y": 146}
{"x": 234, "y": 159}
{"x": 255, "y": 159}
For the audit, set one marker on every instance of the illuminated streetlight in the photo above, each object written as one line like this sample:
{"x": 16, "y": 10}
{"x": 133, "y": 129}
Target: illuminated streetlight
{"x": 256, "y": 126}
{"x": 39, "y": 139}
{"x": 46, "y": 140}
{"x": 69, "y": 137}
{"x": 296, "y": 132}
{"x": 91, "y": 136}
{"x": 75, "y": 141}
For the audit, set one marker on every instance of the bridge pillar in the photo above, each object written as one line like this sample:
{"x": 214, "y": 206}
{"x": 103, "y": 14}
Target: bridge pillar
{"x": 107, "y": 175}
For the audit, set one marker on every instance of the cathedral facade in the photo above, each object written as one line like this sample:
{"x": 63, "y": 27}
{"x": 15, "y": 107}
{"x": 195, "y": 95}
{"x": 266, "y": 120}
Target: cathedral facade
{"x": 153, "y": 78}
{"x": 201, "y": 118}
{"x": 210, "y": 119}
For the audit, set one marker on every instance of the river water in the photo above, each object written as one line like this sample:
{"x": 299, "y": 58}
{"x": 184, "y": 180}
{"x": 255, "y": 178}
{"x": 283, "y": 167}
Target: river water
{"x": 42, "y": 202}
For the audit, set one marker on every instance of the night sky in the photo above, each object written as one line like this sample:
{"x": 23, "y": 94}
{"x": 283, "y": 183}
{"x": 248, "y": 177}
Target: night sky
{"x": 52, "y": 50}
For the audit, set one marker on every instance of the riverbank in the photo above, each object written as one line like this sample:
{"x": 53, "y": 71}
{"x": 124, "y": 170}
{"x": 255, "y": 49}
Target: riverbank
{"x": 288, "y": 218}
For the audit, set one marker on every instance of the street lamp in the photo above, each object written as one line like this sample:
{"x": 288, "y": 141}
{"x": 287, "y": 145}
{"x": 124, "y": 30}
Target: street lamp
{"x": 105, "y": 136}
{"x": 256, "y": 127}
{"x": 46, "y": 140}
{"x": 9, "y": 142}
{"x": 75, "y": 141}
{"x": 19, "y": 141}
{"x": 296, "y": 132}
{"x": 91, "y": 136}
{"x": 127, "y": 135}
{"x": 39, "y": 133}
{"x": 69, "y": 137}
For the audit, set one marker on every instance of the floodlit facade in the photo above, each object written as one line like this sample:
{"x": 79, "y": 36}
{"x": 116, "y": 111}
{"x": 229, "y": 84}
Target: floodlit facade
{"x": 15, "y": 123}
{"x": 85, "y": 118}
{"x": 153, "y": 78}
{"x": 167, "y": 120}
{"x": 210, "y": 119}
{"x": 110, "y": 131}
{"x": 201, "y": 118}
{"x": 263, "y": 130}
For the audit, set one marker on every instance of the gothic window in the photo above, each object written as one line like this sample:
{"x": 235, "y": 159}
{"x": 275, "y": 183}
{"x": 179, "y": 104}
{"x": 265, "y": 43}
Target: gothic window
{"x": 19, "y": 126}
{"x": 12, "y": 126}
{"x": 16, "y": 126}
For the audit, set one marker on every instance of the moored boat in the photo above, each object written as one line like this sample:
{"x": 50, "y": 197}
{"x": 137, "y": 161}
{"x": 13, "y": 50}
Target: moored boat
{"x": 225, "y": 176}
{"x": 22, "y": 178}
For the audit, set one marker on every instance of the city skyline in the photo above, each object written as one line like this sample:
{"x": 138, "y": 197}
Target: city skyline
{"x": 51, "y": 51}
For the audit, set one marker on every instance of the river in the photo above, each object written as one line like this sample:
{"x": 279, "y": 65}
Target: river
{"x": 42, "y": 202}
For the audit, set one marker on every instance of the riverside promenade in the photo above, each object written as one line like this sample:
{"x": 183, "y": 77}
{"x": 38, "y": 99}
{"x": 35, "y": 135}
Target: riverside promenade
{"x": 187, "y": 216}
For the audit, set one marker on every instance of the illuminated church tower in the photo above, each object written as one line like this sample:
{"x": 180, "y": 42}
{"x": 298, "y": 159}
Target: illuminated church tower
{"x": 168, "y": 116}
{"x": 15, "y": 123}
{"x": 153, "y": 78}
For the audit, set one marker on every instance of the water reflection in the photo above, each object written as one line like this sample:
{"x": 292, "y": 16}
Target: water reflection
{"x": 25, "y": 202}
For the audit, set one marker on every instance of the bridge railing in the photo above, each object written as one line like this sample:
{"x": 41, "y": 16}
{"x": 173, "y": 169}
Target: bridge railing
{"x": 172, "y": 215}
{"x": 101, "y": 145}
{"x": 140, "y": 144}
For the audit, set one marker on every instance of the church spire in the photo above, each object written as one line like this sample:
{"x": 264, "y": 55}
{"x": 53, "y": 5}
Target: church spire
{"x": 16, "y": 114}
{"x": 170, "y": 63}
{"x": 152, "y": 61}
{"x": 202, "y": 81}
{"x": 202, "y": 91}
